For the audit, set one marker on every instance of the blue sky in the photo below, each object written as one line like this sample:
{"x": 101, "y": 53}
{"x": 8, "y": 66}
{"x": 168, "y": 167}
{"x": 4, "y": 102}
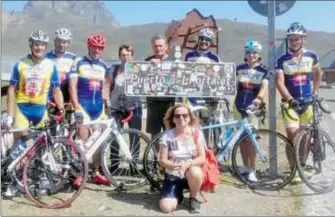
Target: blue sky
{"x": 315, "y": 15}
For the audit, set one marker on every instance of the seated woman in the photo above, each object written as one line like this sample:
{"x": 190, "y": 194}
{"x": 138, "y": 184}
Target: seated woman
{"x": 181, "y": 155}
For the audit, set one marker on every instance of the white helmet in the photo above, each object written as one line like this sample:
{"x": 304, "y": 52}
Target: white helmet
{"x": 38, "y": 36}
{"x": 64, "y": 34}
{"x": 206, "y": 32}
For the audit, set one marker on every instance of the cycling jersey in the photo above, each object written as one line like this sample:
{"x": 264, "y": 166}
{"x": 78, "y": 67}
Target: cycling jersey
{"x": 91, "y": 74}
{"x": 298, "y": 77}
{"x": 201, "y": 57}
{"x": 196, "y": 56}
{"x": 34, "y": 81}
{"x": 64, "y": 64}
{"x": 248, "y": 85}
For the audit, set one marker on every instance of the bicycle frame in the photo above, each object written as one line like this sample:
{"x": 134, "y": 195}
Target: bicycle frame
{"x": 243, "y": 126}
{"x": 111, "y": 127}
{"x": 42, "y": 138}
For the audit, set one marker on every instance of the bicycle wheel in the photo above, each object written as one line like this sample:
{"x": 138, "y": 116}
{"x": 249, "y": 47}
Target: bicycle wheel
{"x": 153, "y": 172}
{"x": 264, "y": 180}
{"x": 53, "y": 171}
{"x": 123, "y": 173}
{"x": 316, "y": 160}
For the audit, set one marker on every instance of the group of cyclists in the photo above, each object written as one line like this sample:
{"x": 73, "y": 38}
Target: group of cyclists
{"x": 86, "y": 85}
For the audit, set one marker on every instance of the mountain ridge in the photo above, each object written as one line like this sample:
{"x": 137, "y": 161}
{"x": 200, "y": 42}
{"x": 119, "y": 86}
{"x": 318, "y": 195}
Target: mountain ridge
{"x": 17, "y": 25}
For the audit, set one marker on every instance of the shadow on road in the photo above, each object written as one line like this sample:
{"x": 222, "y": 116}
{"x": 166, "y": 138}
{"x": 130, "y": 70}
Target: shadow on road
{"x": 330, "y": 100}
{"x": 18, "y": 201}
{"x": 291, "y": 191}
{"x": 148, "y": 201}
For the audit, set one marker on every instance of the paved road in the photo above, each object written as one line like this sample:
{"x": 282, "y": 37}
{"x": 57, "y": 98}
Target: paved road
{"x": 322, "y": 204}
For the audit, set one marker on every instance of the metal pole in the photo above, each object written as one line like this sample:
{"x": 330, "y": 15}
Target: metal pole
{"x": 272, "y": 84}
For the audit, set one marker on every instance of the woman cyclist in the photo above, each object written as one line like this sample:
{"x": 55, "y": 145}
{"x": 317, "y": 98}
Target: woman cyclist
{"x": 252, "y": 85}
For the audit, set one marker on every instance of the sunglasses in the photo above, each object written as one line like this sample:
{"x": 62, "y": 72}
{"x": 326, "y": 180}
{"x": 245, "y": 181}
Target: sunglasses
{"x": 251, "y": 52}
{"x": 203, "y": 38}
{"x": 294, "y": 39}
{"x": 178, "y": 116}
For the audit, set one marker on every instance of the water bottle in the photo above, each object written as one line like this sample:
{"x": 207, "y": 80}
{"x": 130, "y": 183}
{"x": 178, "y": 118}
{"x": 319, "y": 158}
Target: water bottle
{"x": 223, "y": 144}
{"x": 19, "y": 150}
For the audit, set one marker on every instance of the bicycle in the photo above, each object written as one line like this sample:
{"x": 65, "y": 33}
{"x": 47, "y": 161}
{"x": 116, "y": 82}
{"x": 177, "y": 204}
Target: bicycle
{"x": 317, "y": 140}
{"x": 110, "y": 132}
{"x": 245, "y": 132}
{"x": 122, "y": 165}
{"x": 53, "y": 164}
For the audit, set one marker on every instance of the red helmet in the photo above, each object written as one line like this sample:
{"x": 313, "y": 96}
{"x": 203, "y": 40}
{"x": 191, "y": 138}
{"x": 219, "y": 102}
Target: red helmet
{"x": 96, "y": 40}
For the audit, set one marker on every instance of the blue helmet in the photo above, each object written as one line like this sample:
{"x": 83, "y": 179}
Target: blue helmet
{"x": 252, "y": 45}
{"x": 296, "y": 29}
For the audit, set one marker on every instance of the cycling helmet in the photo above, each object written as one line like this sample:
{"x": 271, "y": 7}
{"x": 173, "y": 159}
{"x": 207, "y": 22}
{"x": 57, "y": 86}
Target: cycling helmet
{"x": 206, "y": 32}
{"x": 252, "y": 45}
{"x": 64, "y": 34}
{"x": 38, "y": 36}
{"x": 96, "y": 40}
{"x": 296, "y": 29}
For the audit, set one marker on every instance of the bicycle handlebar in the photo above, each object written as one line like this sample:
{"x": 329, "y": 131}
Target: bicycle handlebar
{"x": 260, "y": 112}
{"x": 201, "y": 101}
{"x": 285, "y": 107}
{"x": 127, "y": 119}
{"x": 59, "y": 117}
{"x": 324, "y": 108}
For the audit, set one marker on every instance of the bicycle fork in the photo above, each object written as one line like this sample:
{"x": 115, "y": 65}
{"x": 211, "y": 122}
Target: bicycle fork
{"x": 253, "y": 138}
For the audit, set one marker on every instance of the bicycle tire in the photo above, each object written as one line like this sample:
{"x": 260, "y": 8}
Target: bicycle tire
{"x": 105, "y": 166}
{"x": 149, "y": 171}
{"x": 300, "y": 168}
{"x": 255, "y": 185}
{"x": 34, "y": 198}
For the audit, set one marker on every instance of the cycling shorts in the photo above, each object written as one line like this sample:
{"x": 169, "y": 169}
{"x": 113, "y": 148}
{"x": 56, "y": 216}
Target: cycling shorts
{"x": 27, "y": 112}
{"x": 92, "y": 111}
{"x": 303, "y": 119}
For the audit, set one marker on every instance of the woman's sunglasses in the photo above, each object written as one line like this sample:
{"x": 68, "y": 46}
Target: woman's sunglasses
{"x": 251, "y": 52}
{"x": 178, "y": 116}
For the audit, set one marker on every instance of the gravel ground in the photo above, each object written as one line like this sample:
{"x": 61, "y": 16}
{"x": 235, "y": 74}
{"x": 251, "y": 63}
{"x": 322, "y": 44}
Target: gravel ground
{"x": 231, "y": 198}
{"x": 322, "y": 204}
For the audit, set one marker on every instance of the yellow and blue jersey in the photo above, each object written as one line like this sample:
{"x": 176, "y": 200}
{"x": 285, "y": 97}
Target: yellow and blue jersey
{"x": 298, "y": 77}
{"x": 34, "y": 81}
{"x": 249, "y": 84}
{"x": 91, "y": 74}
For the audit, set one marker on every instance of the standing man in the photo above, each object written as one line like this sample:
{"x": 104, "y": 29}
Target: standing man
{"x": 63, "y": 60}
{"x": 157, "y": 106}
{"x": 32, "y": 78}
{"x": 87, "y": 77}
{"x": 202, "y": 54}
{"x": 298, "y": 77}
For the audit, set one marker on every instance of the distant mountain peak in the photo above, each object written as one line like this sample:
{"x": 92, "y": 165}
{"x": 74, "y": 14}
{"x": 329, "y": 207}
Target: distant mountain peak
{"x": 94, "y": 12}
